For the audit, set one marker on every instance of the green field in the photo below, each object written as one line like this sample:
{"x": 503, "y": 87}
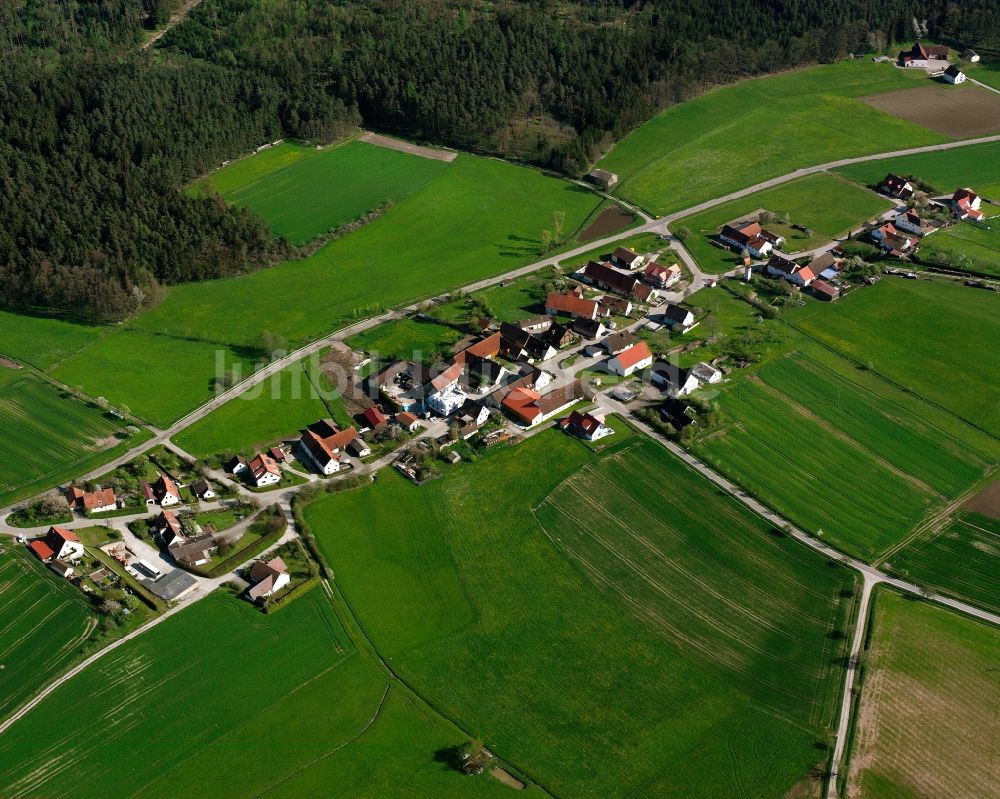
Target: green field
{"x": 404, "y": 339}
{"x": 740, "y": 135}
{"x": 186, "y": 709}
{"x": 276, "y": 408}
{"x": 47, "y": 435}
{"x": 241, "y": 173}
{"x": 40, "y": 340}
{"x": 930, "y": 337}
{"x": 44, "y": 622}
{"x": 977, "y": 166}
{"x": 826, "y": 204}
{"x": 929, "y": 706}
{"x": 158, "y": 377}
{"x": 966, "y": 246}
{"x": 623, "y": 629}
{"x": 303, "y": 197}
{"x": 959, "y": 559}
{"x": 481, "y": 217}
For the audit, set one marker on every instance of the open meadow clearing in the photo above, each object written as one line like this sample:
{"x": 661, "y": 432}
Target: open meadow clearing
{"x": 404, "y": 339}
{"x": 47, "y": 435}
{"x": 977, "y": 166}
{"x": 917, "y": 334}
{"x": 42, "y": 341}
{"x": 962, "y": 112}
{"x": 304, "y": 197}
{"x": 929, "y": 706}
{"x": 826, "y": 204}
{"x": 623, "y": 630}
{"x": 739, "y": 135}
{"x": 44, "y": 622}
{"x": 277, "y": 408}
{"x": 959, "y": 559}
{"x": 184, "y": 709}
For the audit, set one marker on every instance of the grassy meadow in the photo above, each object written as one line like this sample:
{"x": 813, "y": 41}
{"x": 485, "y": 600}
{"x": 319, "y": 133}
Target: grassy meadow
{"x": 648, "y": 638}
{"x": 305, "y": 196}
{"x": 44, "y": 621}
{"x": 47, "y": 435}
{"x": 42, "y": 341}
{"x": 183, "y": 710}
{"x": 977, "y": 166}
{"x": 827, "y": 205}
{"x": 959, "y": 559}
{"x": 929, "y": 705}
{"x": 739, "y": 135}
{"x": 404, "y": 339}
{"x": 932, "y": 338}
{"x": 277, "y": 408}
{"x": 965, "y": 245}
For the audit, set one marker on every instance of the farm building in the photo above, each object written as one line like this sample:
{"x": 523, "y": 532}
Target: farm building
{"x": 323, "y": 445}
{"x": 195, "y": 551}
{"x": 706, "y": 374}
{"x": 676, "y": 382}
{"x": 602, "y": 178}
{"x": 572, "y": 304}
{"x": 750, "y": 236}
{"x": 518, "y": 344}
{"x": 167, "y": 527}
{"x": 202, "y": 489}
{"x": 631, "y": 360}
{"x": 172, "y": 586}
{"x": 589, "y": 328}
{"x": 606, "y": 277}
{"x": 166, "y": 492}
{"x": 921, "y": 56}
{"x": 660, "y": 276}
{"x": 790, "y": 271}
{"x": 99, "y": 501}
{"x": 530, "y": 408}
{"x": 822, "y": 290}
{"x": 618, "y": 342}
{"x": 408, "y": 421}
{"x": 535, "y": 324}
{"x": 965, "y": 204}
{"x": 374, "y": 417}
{"x": 64, "y": 544}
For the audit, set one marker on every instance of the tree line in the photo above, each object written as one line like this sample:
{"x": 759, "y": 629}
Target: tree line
{"x": 98, "y": 138}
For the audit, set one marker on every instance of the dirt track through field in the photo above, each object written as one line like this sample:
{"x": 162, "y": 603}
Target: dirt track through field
{"x": 953, "y": 111}
{"x": 406, "y": 147}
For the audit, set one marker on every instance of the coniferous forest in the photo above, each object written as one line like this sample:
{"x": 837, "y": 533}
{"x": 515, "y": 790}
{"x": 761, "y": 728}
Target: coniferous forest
{"x": 98, "y": 136}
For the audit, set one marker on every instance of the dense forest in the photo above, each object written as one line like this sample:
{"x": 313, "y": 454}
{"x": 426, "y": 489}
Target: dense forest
{"x": 98, "y": 136}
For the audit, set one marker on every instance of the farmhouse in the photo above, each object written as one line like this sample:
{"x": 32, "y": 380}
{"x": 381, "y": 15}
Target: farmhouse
{"x": 408, "y": 421}
{"x": 676, "y": 382}
{"x": 954, "y": 75}
{"x": 602, "y": 178}
{"x": 920, "y": 56}
{"x": 236, "y": 465}
{"x": 825, "y": 265}
{"x": 631, "y": 360}
{"x": 679, "y": 318}
{"x": 166, "y": 491}
{"x": 99, "y": 501}
{"x": 62, "y": 568}
{"x": 585, "y": 425}
{"x": 790, "y": 271}
{"x": 62, "y": 543}
{"x": 167, "y": 527}
{"x": 471, "y": 417}
{"x": 571, "y": 304}
{"x": 278, "y": 453}
{"x": 618, "y": 342}
{"x": 751, "y": 237}
{"x": 202, "y": 489}
{"x": 323, "y": 445}
{"x": 268, "y": 578}
{"x": 589, "y": 328}
{"x": 660, "y": 276}
{"x": 560, "y": 336}
{"x": 627, "y": 259}
{"x": 610, "y": 279}
{"x": 615, "y": 306}
{"x": 897, "y": 187}
{"x": 911, "y": 221}
{"x": 358, "y": 448}
{"x": 263, "y": 470}
{"x": 965, "y": 204}
{"x": 520, "y": 345}
{"x": 530, "y": 408}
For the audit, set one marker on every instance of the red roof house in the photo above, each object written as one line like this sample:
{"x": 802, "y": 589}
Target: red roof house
{"x": 374, "y": 417}
{"x": 41, "y": 549}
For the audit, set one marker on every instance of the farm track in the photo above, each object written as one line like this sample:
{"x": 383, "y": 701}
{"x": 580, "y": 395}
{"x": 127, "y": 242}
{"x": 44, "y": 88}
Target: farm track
{"x": 175, "y": 19}
{"x": 871, "y": 576}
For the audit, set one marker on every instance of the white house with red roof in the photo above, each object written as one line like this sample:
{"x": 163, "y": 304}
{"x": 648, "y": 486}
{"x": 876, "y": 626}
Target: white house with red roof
{"x": 790, "y": 271}
{"x": 897, "y": 187}
{"x": 100, "y": 501}
{"x": 965, "y": 204}
{"x": 660, "y": 276}
{"x": 324, "y": 445}
{"x": 572, "y": 304}
{"x": 166, "y": 492}
{"x": 636, "y": 357}
{"x": 57, "y": 544}
{"x": 586, "y": 425}
{"x": 268, "y": 578}
{"x": 264, "y": 471}
{"x": 750, "y": 236}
